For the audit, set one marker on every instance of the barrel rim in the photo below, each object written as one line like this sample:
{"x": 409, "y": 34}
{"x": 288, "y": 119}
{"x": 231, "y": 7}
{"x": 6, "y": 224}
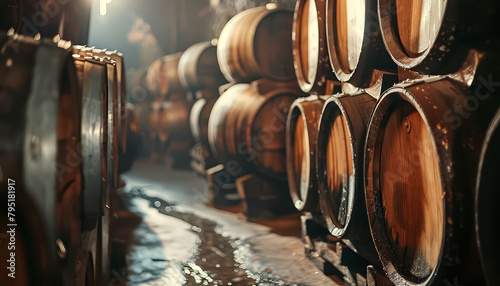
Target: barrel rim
{"x": 295, "y": 192}
{"x": 324, "y": 122}
{"x": 492, "y": 132}
{"x": 372, "y": 196}
{"x": 428, "y": 61}
{"x": 303, "y": 78}
{"x": 332, "y": 40}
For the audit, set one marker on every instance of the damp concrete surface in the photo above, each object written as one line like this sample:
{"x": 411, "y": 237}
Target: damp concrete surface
{"x": 183, "y": 241}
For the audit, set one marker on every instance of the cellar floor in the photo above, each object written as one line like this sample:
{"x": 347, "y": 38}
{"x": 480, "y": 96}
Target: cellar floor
{"x": 174, "y": 238}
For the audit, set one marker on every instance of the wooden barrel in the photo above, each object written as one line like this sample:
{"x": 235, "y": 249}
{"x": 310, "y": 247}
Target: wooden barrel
{"x": 39, "y": 137}
{"x": 301, "y": 139}
{"x": 199, "y": 68}
{"x": 354, "y": 42}
{"x": 173, "y": 121}
{"x": 425, "y": 35}
{"x": 10, "y": 14}
{"x": 162, "y": 78}
{"x": 487, "y": 194}
{"x": 341, "y": 134}
{"x": 418, "y": 181}
{"x": 256, "y": 43}
{"x": 198, "y": 120}
{"x": 246, "y": 128}
{"x": 310, "y": 49}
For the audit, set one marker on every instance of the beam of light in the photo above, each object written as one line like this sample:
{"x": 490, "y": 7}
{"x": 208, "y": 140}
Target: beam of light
{"x": 103, "y": 6}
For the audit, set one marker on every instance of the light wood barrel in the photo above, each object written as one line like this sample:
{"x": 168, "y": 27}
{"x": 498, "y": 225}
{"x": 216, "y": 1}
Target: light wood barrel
{"x": 256, "y": 43}
{"x": 432, "y": 36}
{"x": 246, "y": 129}
{"x": 199, "y": 68}
{"x": 301, "y": 139}
{"x": 198, "y": 120}
{"x": 162, "y": 78}
{"x": 418, "y": 183}
{"x": 487, "y": 196}
{"x": 341, "y": 134}
{"x": 354, "y": 42}
{"x": 310, "y": 49}
{"x": 39, "y": 137}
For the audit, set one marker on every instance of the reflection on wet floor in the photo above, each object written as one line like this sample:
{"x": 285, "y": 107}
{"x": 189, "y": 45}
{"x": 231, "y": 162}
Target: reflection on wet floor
{"x": 215, "y": 258}
{"x": 182, "y": 241}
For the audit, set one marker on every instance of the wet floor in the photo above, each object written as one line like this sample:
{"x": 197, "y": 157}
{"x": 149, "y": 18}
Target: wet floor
{"x": 182, "y": 241}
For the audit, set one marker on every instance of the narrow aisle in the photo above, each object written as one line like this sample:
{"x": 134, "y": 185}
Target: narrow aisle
{"x": 182, "y": 241}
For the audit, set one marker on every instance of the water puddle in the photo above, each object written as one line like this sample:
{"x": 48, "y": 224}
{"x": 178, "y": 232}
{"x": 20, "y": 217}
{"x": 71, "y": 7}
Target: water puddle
{"x": 219, "y": 260}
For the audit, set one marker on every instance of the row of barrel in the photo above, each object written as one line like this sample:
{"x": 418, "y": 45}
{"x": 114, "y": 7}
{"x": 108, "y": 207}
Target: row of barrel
{"x": 403, "y": 174}
{"x": 64, "y": 126}
{"x": 397, "y": 172}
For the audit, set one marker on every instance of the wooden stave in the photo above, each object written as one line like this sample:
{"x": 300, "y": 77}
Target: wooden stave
{"x": 457, "y": 34}
{"x": 457, "y": 257}
{"x": 243, "y": 67}
{"x": 236, "y": 146}
{"x": 373, "y": 54}
{"x": 45, "y": 67}
{"x": 191, "y": 65}
{"x": 355, "y": 108}
{"x": 323, "y": 70}
{"x": 310, "y": 109}
{"x": 485, "y": 195}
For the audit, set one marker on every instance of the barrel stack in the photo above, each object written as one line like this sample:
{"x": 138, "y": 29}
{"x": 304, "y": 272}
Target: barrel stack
{"x": 201, "y": 77}
{"x": 429, "y": 117}
{"x": 246, "y": 128}
{"x": 400, "y": 171}
{"x": 343, "y": 60}
{"x": 169, "y": 133}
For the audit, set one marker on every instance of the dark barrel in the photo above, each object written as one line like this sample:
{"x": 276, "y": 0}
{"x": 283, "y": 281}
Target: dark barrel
{"x": 418, "y": 181}
{"x": 301, "y": 140}
{"x": 246, "y": 129}
{"x": 39, "y": 134}
{"x": 432, "y": 36}
{"x": 310, "y": 48}
{"x": 341, "y": 134}
{"x": 256, "y": 43}
{"x": 162, "y": 78}
{"x": 199, "y": 68}
{"x": 354, "y": 42}
{"x": 487, "y": 196}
